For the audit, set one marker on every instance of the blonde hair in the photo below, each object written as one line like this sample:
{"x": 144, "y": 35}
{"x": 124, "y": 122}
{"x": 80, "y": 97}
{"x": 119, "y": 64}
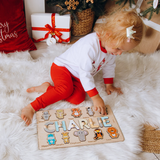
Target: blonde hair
{"x": 114, "y": 27}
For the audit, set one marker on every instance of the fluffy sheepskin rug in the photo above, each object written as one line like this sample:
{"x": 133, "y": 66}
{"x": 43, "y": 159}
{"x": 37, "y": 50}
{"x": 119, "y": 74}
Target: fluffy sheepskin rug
{"x": 138, "y": 75}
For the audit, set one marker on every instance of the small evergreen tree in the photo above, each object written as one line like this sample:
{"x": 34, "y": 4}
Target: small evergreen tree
{"x": 74, "y": 6}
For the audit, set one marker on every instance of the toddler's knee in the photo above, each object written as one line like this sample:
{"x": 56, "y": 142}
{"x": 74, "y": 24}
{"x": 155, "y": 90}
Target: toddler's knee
{"x": 78, "y": 102}
{"x": 65, "y": 91}
{"x": 79, "y": 98}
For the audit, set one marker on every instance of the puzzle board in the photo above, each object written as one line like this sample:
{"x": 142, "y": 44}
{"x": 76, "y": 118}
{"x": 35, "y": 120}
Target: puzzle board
{"x": 76, "y": 127}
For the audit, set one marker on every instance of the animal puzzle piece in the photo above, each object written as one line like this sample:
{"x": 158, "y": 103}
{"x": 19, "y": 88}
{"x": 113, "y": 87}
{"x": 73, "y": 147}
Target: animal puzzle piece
{"x": 90, "y": 111}
{"x": 51, "y": 139}
{"x": 98, "y": 134}
{"x": 65, "y": 137}
{"x": 60, "y": 114}
{"x": 81, "y": 134}
{"x": 76, "y": 112}
{"x": 112, "y": 132}
{"x": 45, "y": 115}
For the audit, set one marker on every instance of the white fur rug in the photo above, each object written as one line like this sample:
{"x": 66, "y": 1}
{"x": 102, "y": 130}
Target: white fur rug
{"x": 138, "y": 76}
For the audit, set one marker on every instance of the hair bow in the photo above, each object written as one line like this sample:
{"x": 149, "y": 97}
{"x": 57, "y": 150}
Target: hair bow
{"x": 129, "y": 33}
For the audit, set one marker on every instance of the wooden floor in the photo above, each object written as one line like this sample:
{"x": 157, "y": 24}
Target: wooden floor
{"x": 149, "y": 156}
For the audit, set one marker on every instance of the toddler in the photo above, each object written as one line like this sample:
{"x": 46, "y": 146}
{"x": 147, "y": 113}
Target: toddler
{"x": 73, "y": 71}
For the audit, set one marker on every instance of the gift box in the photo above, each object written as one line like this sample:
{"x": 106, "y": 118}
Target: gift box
{"x": 51, "y": 25}
{"x": 151, "y": 39}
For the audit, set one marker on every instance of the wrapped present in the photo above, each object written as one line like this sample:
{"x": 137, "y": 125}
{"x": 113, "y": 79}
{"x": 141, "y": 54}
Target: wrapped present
{"x": 51, "y": 25}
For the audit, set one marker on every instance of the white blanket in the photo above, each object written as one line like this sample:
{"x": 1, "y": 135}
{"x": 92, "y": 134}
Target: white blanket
{"x": 138, "y": 75}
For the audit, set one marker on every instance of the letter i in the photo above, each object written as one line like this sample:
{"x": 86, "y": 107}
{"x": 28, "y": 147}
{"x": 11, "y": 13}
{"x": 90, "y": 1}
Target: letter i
{"x": 100, "y": 122}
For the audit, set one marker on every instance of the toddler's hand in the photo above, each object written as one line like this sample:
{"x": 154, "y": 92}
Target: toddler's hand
{"x": 99, "y": 104}
{"x": 110, "y": 88}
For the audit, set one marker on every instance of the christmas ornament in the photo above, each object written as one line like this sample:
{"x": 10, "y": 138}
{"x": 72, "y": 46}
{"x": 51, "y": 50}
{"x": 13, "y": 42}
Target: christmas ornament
{"x": 89, "y": 1}
{"x": 155, "y": 4}
{"x": 71, "y": 4}
{"x": 51, "y": 41}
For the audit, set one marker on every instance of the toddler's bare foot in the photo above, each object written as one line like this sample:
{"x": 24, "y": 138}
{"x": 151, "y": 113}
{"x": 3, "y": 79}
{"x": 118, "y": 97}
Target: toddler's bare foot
{"x": 27, "y": 114}
{"x": 42, "y": 88}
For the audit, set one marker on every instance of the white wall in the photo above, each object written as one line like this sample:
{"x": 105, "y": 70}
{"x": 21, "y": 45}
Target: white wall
{"x": 33, "y": 6}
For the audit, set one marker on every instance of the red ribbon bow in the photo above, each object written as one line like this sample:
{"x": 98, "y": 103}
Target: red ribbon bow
{"x": 52, "y": 30}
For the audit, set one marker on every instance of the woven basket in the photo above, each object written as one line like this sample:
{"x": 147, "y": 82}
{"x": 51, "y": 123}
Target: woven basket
{"x": 151, "y": 139}
{"x": 86, "y": 19}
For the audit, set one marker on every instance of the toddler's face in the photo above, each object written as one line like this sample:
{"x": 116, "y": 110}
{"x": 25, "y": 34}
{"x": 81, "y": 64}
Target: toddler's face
{"x": 126, "y": 46}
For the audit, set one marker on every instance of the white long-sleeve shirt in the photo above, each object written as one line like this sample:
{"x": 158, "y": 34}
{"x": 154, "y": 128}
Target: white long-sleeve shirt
{"x": 86, "y": 58}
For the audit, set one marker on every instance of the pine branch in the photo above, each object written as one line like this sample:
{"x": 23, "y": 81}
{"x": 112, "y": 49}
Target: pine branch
{"x": 63, "y": 11}
{"x": 84, "y": 5}
{"x": 75, "y": 17}
{"x": 144, "y": 13}
{"x": 151, "y": 10}
{"x": 157, "y": 11}
{"x": 151, "y": 13}
{"x": 125, "y": 2}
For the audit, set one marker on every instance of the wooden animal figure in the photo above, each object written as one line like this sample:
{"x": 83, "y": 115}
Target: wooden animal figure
{"x": 98, "y": 134}
{"x": 51, "y": 139}
{"x": 112, "y": 132}
{"x": 76, "y": 112}
{"x": 90, "y": 111}
{"x": 46, "y": 115}
{"x": 60, "y": 114}
{"x": 81, "y": 134}
{"x": 65, "y": 137}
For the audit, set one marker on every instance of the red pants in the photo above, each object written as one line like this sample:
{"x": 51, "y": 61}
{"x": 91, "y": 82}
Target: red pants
{"x": 66, "y": 87}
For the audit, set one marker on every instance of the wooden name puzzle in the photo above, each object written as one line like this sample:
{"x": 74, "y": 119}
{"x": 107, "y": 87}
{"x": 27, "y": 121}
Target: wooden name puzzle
{"x": 76, "y": 127}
